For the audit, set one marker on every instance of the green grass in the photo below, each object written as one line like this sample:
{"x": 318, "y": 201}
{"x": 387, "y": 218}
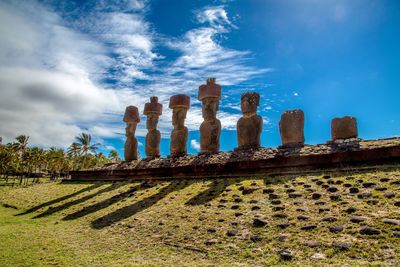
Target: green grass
{"x": 167, "y": 224}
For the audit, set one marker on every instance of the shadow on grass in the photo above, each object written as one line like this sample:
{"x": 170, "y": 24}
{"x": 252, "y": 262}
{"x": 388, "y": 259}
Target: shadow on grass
{"x": 54, "y": 201}
{"x": 108, "y": 202}
{"x": 67, "y": 205}
{"x": 131, "y": 210}
{"x": 215, "y": 189}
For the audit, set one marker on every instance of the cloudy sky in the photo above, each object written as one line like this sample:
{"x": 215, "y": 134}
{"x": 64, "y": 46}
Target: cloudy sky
{"x": 68, "y": 67}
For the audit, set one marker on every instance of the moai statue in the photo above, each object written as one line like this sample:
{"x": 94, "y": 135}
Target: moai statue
{"x": 131, "y": 118}
{"x": 179, "y": 105}
{"x": 344, "y": 128}
{"x": 210, "y": 129}
{"x": 152, "y": 110}
{"x": 291, "y": 128}
{"x": 250, "y": 125}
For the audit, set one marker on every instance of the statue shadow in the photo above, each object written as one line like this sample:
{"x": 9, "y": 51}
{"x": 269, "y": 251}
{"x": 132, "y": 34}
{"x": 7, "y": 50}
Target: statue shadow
{"x": 60, "y": 199}
{"x": 67, "y": 205}
{"x": 214, "y": 190}
{"x": 108, "y": 202}
{"x": 139, "y": 206}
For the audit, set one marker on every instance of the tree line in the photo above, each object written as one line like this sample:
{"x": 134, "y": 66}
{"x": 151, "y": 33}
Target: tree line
{"x": 17, "y": 159}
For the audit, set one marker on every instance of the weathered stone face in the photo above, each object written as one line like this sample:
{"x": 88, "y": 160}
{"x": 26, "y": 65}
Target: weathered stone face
{"x": 249, "y": 103}
{"x": 178, "y": 117}
{"x": 249, "y": 127}
{"x": 130, "y": 148}
{"x": 152, "y": 121}
{"x": 344, "y": 128}
{"x": 210, "y": 108}
{"x": 179, "y": 135}
{"x": 291, "y": 128}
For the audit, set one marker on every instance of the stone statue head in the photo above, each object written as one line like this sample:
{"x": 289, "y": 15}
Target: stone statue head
{"x": 178, "y": 117}
{"x": 210, "y": 108}
{"x": 249, "y": 103}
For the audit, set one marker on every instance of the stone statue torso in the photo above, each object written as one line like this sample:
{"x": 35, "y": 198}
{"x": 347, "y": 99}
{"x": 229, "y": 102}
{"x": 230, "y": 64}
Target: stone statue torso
{"x": 209, "y": 136}
{"x": 249, "y": 131}
{"x": 153, "y": 139}
{"x": 178, "y": 141}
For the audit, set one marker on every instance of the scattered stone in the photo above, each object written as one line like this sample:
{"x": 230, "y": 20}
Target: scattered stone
{"x": 221, "y": 206}
{"x": 368, "y": 184}
{"x": 303, "y": 217}
{"x": 367, "y": 230}
{"x": 329, "y": 219}
{"x": 319, "y": 182}
{"x": 295, "y": 195}
{"x": 286, "y": 255}
{"x": 273, "y": 196}
{"x": 323, "y": 209}
{"x": 223, "y": 200}
{"x": 235, "y": 222}
{"x": 342, "y": 245}
{"x": 268, "y": 191}
{"x": 221, "y": 220}
{"x": 354, "y": 190}
{"x": 364, "y": 195}
{"x": 397, "y": 203}
{"x": 255, "y": 208}
{"x": 276, "y": 202}
{"x": 312, "y": 244}
{"x": 291, "y": 190}
{"x": 335, "y": 197}
{"x": 336, "y": 228}
{"x": 235, "y": 207}
{"x": 384, "y": 180}
{"x": 212, "y": 230}
{"x": 283, "y": 238}
{"x": 332, "y": 189}
{"x": 258, "y": 222}
{"x": 256, "y": 238}
{"x": 320, "y": 203}
{"x": 298, "y": 202}
{"x": 302, "y": 209}
{"x": 232, "y": 232}
{"x": 278, "y": 208}
{"x": 202, "y": 218}
{"x": 330, "y": 181}
{"x": 350, "y": 210}
{"x": 339, "y": 182}
{"x": 318, "y": 256}
{"x": 238, "y": 214}
{"x": 381, "y": 188}
{"x": 237, "y": 200}
{"x": 308, "y": 227}
{"x": 280, "y": 215}
{"x": 372, "y": 201}
{"x": 253, "y": 201}
{"x": 248, "y": 191}
{"x": 391, "y": 221}
{"x": 389, "y": 194}
{"x": 358, "y": 219}
{"x": 396, "y": 233}
{"x": 283, "y": 225}
{"x": 325, "y": 186}
{"x": 347, "y": 185}
{"x": 211, "y": 242}
{"x": 316, "y": 196}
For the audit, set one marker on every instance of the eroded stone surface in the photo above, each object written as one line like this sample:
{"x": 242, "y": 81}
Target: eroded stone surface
{"x": 180, "y": 105}
{"x": 210, "y": 129}
{"x": 131, "y": 118}
{"x": 153, "y": 138}
{"x": 344, "y": 128}
{"x": 250, "y": 125}
{"x": 291, "y": 128}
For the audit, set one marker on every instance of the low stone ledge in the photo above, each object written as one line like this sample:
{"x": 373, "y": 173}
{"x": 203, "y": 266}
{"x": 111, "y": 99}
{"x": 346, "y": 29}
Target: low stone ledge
{"x": 263, "y": 161}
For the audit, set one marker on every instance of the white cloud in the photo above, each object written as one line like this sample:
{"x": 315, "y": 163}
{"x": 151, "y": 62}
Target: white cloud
{"x": 194, "y": 144}
{"x": 51, "y": 74}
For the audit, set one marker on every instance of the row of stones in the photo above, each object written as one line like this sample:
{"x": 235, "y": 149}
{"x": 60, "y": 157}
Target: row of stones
{"x": 249, "y": 126}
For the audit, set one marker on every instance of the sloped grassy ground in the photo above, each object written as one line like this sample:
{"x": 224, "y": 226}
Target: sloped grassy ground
{"x": 310, "y": 220}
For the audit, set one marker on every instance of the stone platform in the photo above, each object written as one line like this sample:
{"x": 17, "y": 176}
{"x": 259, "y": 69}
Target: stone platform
{"x": 340, "y": 155}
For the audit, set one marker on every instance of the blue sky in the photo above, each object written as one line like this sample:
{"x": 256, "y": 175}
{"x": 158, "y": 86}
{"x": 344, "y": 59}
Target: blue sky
{"x": 72, "y": 66}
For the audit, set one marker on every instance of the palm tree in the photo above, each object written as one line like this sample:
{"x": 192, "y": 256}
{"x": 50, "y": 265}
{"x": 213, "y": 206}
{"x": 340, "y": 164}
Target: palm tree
{"x": 83, "y": 142}
{"x": 22, "y": 142}
{"x": 85, "y": 146}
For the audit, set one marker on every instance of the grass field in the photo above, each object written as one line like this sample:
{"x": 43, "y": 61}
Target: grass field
{"x": 319, "y": 220}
